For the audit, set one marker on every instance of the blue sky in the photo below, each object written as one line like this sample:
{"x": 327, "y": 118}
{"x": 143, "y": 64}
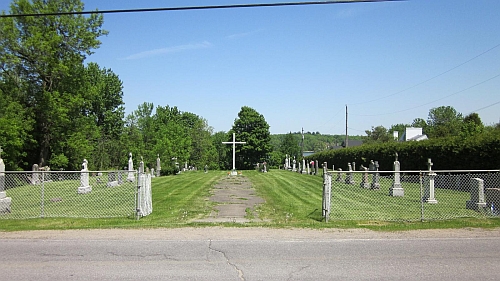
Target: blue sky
{"x": 390, "y": 62}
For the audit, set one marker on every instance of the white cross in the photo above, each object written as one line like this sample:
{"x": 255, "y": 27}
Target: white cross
{"x": 234, "y": 143}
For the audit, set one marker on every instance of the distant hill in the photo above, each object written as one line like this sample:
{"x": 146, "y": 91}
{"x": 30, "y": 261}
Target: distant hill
{"x": 314, "y": 141}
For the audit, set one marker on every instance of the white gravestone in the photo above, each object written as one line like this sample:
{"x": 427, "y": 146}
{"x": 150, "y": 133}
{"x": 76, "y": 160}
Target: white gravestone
{"x": 294, "y": 168}
{"x": 35, "y": 176}
{"x": 5, "y": 201}
{"x": 131, "y": 176}
{"x": 158, "y": 166}
{"x": 476, "y": 201}
{"x": 304, "y": 171}
{"x": 396, "y": 189}
{"x": 234, "y": 143}
{"x": 429, "y": 184}
{"x": 84, "y": 179}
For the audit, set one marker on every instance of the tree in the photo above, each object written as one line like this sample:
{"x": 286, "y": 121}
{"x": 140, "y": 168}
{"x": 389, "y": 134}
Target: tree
{"x": 377, "y": 135}
{"x": 444, "y": 121}
{"x": 251, "y": 127}
{"x": 223, "y": 150}
{"x": 40, "y": 55}
{"x": 472, "y": 125}
{"x": 290, "y": 146}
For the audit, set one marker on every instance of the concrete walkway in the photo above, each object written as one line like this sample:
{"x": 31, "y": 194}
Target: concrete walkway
{"x": 235, "y": 200}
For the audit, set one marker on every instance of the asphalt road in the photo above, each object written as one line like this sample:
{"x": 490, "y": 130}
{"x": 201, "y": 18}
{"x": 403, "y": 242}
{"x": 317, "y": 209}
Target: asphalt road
{"x": 246, "y": 259}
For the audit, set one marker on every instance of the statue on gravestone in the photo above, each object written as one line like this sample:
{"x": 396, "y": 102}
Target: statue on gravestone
{"x": 130, "y": 176}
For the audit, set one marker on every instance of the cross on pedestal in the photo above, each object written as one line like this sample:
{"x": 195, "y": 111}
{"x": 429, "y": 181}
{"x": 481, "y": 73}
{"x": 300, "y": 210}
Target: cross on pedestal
{"x": 429, "y": 164}
{"x": 234, "y": 143}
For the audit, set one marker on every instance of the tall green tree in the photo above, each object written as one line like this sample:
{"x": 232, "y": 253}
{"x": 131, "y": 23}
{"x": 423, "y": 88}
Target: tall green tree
{"x": 40, "y": 55}
{"x": 251, "y": 127}
{"x": 223, "y": 150}
{"x": 444, "y": 121}
{"x": 290, "y": 146}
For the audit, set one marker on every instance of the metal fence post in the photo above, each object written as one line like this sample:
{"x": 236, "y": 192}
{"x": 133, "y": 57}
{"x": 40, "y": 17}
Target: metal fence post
{"x": 42, "y": 196}
{"x": 421, "y": 198}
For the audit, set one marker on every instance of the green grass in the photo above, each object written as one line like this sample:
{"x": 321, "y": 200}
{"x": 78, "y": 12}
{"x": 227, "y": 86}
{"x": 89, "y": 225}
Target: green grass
{"x": 292, "y": 200}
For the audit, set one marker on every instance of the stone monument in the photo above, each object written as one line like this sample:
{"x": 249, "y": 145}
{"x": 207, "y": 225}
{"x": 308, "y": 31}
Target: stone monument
{"x": 429, "y": 184}
{"x": 396, "y": 189}
{"x": 375, "y": 176}
{"x": 364, "y": 177}
{"x": 476, "y": 201}
{"x": 84, "y": 179}
{"x": 130, "y": 176}
{"x": 5, "y": 201}
{"x": 158, "y": 166}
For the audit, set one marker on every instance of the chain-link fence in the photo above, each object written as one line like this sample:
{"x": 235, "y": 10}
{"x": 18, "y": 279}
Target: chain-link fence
{"x": 410, "y": 195}
{"x": 90, "y": 194}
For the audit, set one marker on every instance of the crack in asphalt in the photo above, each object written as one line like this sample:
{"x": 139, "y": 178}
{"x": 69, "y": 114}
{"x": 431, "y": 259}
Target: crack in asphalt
{"x": 239, "y": 271}
{"x": 144, "y": 256}
{"x": 297, "y": 271}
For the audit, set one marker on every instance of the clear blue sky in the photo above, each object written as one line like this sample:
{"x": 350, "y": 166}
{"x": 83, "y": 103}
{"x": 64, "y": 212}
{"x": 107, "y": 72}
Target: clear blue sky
{"x": 390, "y": 62}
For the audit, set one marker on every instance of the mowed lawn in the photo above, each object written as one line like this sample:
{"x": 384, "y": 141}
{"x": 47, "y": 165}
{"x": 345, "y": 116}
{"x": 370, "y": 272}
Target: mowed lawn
{"x": 291, "y": 200}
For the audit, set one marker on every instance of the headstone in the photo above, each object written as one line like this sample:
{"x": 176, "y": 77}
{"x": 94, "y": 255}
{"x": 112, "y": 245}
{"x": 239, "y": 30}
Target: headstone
{"x": 153, "y": 175}
{"x": 396, "y": 189}
{"x": 158, "y": 166}
{"x": 339, "y": 176}
{"x": 300, "y": 168}
{"x": 348, "y": 178}
{"x": 206, "y": 169}
{"x": 375, "y": 175}
{"x": 294, "y": 168}
{"x": 354, "y": 166}
{"x": 130, "y": 176}
{"x": 234, "y": 143}
{"x": 84, "y": 179}
{"x": 185, "y": 166}
{"x": 364, "y": 177}
{"x": 304, "y": 171}
{"x": 316, "y": 167}
{"x": 35, "y": 176}
{"x": 429, "y": 184}
{"x": 112, "y": 181}
{"x": 5, "y": 201}
{"x": 308, "y": 169}
{"x": 264, "y": 169}
{"x": 312, "y": 167}
{"x": 476, "y": 201}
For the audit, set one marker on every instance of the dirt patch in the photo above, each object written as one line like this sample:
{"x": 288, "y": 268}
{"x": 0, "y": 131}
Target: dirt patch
{"x": 235, "y": 200}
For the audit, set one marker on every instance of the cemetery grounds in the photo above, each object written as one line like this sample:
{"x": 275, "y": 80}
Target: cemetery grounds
{"x": 292, "y": 200}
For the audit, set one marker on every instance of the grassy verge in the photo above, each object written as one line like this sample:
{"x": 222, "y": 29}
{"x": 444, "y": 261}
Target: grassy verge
{"x": 292, "y": 200}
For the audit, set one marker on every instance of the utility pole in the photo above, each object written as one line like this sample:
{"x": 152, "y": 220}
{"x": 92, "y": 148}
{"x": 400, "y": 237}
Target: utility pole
{"x": 346, "y": 135}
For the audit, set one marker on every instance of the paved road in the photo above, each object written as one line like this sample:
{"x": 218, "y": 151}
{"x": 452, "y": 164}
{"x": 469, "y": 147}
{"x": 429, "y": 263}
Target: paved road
{"x": 246, "y": 259}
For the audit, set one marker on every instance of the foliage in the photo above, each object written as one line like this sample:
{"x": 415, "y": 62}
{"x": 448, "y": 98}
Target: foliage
{"x": 377, "y": 135}
{"x": 251, "y": 127}
{"x": 41, "y": 72}
{"x": 451, "y": 153}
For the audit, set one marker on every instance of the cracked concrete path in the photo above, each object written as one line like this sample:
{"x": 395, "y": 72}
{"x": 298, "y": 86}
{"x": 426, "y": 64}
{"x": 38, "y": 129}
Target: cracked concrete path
{"x": 235, "y": 200}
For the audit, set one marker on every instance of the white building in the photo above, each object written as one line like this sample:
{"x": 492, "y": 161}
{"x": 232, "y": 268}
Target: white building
{"x": 412, "y": 134}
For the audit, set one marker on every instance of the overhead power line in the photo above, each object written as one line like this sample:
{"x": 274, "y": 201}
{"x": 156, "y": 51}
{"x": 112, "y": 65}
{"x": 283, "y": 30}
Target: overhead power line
{"x": 212, "y": 7}
{"x": 455, "y": 93}
{"x": 432, "y": 78}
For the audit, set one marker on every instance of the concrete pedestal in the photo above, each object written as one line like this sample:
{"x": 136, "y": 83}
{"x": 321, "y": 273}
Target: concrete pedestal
{"x": 84, "y": 189}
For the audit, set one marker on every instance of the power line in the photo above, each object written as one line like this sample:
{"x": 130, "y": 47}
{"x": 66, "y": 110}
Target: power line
{"x": 212, "y": 7}
{"x": 432, "y": 78}
{"x": 484, "y": 107}
{"x": 455, "y": 93}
